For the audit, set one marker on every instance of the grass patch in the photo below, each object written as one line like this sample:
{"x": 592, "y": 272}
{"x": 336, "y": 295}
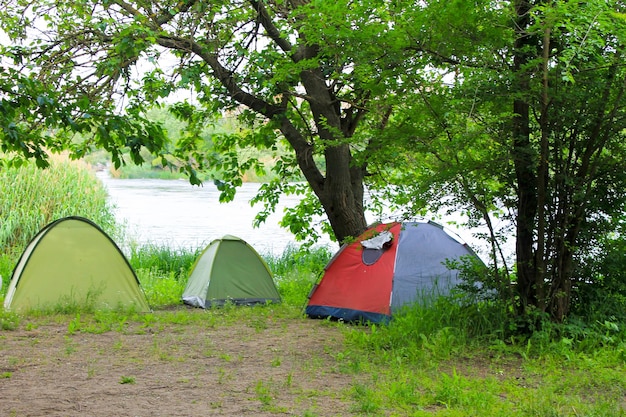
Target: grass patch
{"x": 127, "y": 380}
{"x": 295, "y": 272}
{"x": 8, "y": 320}
{"x": 431, "y": 372}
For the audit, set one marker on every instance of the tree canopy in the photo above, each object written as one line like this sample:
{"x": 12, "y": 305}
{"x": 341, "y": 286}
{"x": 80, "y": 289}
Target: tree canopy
{"x": 508, "y": 109}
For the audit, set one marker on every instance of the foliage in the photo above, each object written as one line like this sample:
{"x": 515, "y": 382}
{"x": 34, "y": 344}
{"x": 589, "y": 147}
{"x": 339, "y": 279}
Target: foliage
{"x": 522, "y": 119}
{"x": 146, "y": 171}
{"x": 600, "y": 291}
{"x": 36, "y": 118}
{"x": 153, "y": 167}
{"x": 252, "y": 59}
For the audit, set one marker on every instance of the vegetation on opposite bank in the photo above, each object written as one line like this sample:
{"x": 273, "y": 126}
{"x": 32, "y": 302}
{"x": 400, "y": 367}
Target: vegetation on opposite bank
{"x": 455, "y": 357}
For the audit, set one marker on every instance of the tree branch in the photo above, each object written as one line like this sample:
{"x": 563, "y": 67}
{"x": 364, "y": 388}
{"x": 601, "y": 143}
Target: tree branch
{"x": 270, "y": 28}
{"x": 303, "y": 149}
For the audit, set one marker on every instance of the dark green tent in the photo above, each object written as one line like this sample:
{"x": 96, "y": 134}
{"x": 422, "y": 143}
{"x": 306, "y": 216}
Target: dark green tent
{"x": 72, "y": 262}
{"x": 229, "y": 270}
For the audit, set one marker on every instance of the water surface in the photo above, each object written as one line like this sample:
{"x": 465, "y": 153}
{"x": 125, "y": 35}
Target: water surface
{"x": 180, "y": 215}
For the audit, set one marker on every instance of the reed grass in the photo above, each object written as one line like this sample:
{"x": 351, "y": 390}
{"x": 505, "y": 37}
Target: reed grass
{"x": 296, "y": 271}
{"x": 31, "y": 197}
{"x": 162, "y": 258}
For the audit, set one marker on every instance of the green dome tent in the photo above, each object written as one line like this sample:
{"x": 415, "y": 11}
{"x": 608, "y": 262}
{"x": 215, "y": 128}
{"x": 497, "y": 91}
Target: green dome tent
{"x": 229, "y": 270}
{"x": 72, "y": 261}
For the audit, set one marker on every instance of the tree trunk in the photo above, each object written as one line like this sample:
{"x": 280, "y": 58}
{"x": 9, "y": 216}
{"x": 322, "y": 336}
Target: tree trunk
{"x": 340, "y": 188}
{"x": 542, "y": 176}
{"x": 524, "y": 161}
{"x": 340, "y": 191}
{"x": 342, "y": 197}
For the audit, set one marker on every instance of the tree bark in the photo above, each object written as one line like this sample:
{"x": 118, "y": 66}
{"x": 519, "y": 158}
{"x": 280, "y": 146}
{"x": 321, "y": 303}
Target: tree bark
{"x": 341, "y": 193}
{"x": 524, "y": 161}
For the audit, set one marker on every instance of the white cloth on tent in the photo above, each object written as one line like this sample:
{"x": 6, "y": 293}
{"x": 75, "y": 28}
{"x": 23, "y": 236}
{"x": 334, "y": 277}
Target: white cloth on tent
{"x": 378, "y": 241}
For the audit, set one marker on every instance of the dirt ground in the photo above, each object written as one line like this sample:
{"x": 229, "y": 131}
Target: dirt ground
{"x": 281, "y": 366}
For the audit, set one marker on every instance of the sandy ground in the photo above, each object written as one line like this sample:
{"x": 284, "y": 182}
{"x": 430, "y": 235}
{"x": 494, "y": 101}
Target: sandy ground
{"x": 277, "y": 367}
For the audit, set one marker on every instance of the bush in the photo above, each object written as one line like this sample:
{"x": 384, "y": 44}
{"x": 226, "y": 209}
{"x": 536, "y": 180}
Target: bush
{"x": 600, "y": 293}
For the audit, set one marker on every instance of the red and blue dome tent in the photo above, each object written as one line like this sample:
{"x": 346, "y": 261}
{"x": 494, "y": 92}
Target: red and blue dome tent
{"x": 389, "y": 266}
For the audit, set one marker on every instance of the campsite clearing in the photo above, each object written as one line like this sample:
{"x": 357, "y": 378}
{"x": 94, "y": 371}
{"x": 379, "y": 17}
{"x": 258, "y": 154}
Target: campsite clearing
{"x": 271, "y": 361}
{"x": 177, "y": 366}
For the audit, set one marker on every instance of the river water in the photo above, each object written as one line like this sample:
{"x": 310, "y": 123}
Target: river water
{"x": 177, "y": 214}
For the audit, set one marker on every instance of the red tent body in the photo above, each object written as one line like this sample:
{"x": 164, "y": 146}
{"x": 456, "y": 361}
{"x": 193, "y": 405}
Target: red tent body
{"x": 364, "y": 284}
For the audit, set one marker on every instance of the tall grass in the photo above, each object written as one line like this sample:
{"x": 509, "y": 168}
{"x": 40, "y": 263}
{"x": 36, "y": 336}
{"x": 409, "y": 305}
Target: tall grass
{"x": 295, "y": 271}
{"x": 440, "y": 329}
{"x": 447, "y": 328}
{"x": 162, "y": 259}
{"x": 31, "y": 197}
{"x": 162, "y": 271}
